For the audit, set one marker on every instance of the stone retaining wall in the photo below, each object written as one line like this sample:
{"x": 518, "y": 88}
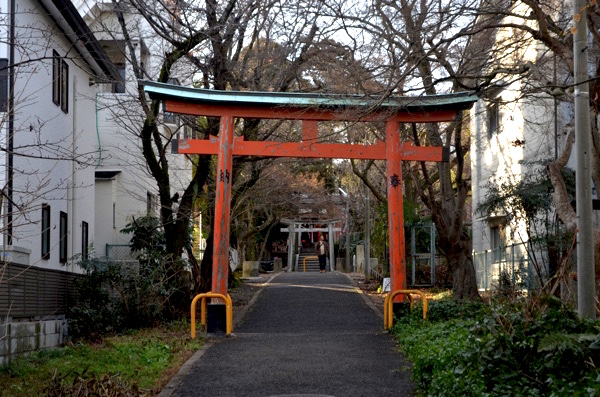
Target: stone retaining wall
{"x": 17, "y": 338}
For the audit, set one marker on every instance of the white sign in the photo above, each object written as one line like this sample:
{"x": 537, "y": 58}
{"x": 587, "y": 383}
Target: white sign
{"x": 233, "y": 259}
{"x": 386, "y": 285}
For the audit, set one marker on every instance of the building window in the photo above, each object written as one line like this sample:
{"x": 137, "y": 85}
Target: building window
{"x": 119, "y": 86}
{"x": 493, "y": 118}
{"x": 60, "y": 82}
{"x": 496, "y": 243}
{"x": 64, "y": 232}
{"x": 45, "y": 231}
{"x": 188, "y": 127}
{"x": 4, "y": 85}
{"x": 55, "y": 78}
{"x": 168, "y": 117}
{"x": 84, "y": 240}
{"x": 151, "y": 204}
{"x": 64, "y": 84}
{"x": 114, "y": 215}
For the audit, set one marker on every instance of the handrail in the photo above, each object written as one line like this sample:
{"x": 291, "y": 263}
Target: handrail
{"x": 228, "y": 311}
{"x": 388, "y": 312}
{"x": 308, "y": 257}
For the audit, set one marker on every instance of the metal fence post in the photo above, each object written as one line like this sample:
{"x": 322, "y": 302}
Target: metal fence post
{"x": 413, "y": 247}
{"x": 432, "y": 252}
{"x": 512, "y": 258}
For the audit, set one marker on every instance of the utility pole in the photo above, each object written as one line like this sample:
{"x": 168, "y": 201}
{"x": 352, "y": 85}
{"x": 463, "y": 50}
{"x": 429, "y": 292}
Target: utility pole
{"x": 367, "y": 234}
{"x": 583, "y": 180}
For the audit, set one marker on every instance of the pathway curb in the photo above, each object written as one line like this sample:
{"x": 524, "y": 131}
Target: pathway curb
{"x": 367, "y": 300}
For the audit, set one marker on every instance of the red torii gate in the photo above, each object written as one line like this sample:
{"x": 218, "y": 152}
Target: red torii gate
{"x": 310, "y": 109}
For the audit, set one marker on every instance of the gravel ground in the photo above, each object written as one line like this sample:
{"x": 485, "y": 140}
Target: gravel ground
{"x": 241, "y": 294}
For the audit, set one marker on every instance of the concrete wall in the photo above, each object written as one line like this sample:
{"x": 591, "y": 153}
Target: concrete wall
{"x": 17, "y": 338}
{"x": 21, "y": 336}
{"x": 120, "y": 119}
{"x": 524, "y": 141}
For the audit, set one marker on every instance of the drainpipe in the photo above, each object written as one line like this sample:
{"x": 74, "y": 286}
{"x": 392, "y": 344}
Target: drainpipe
{"x": 73, "y": 182}
{"x": 11, "y": 123}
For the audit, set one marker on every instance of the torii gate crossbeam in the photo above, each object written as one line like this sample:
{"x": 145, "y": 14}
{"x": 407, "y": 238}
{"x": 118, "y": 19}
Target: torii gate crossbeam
{"x": 310, "y": 109}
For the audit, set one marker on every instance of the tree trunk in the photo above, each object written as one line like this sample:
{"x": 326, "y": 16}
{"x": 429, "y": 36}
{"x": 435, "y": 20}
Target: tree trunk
{"x": 206, "y": 265}
{"x": 464, "y": 282}
{"x": 566, "y": 213}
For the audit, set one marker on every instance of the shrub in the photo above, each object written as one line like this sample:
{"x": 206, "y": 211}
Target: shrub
{"x": 524, "y": 347}
{"x": 114, "y": 296}
{"x": 97, "y": 309}
{"x": 512, "y": 360}
{"x": 447, "y": 309}
{"x": 437, "y": 353}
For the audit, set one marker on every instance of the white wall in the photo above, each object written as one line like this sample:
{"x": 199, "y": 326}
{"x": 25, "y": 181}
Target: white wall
{"x": 526, "y": 139}
{"x": 46, "y": 138}
{"x": 120, "y": 119}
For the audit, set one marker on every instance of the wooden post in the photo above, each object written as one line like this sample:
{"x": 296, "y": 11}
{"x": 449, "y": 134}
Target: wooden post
{"x": 395, "y": 207}
{"x": 223, "y": 207}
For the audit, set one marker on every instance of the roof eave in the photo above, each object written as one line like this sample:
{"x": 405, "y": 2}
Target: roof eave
{"x": 162, "y": 91}
{"x": 65, "y": 15}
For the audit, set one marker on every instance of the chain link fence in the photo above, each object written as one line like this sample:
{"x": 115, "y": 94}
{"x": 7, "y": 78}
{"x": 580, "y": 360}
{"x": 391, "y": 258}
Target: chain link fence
{"x": 120, "y": 252}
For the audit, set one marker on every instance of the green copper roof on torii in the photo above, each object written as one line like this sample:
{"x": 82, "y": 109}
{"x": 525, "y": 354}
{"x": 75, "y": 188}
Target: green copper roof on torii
{"x": 454, "y": 101}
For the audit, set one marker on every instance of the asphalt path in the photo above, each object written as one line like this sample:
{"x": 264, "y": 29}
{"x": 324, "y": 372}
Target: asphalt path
{"x": 306, "y": 334}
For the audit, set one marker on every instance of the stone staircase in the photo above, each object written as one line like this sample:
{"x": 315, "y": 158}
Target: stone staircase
{"x": 312, "y": 262}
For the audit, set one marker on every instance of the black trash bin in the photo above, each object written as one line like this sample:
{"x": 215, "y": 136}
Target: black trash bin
{"x": 266, "y": 266}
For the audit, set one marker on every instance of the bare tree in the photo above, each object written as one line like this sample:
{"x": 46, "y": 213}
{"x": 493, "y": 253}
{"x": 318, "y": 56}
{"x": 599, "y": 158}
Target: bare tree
{"x": 416, "y": 42}
{"x": 253, "y": 44}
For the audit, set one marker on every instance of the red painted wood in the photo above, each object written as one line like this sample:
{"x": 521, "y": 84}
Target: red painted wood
{"x": 285, "y": 149}
{"x": 222, "y": 207}
{"x": 309, "y": 149}
{"x": 316, "y": 113}
{"x": 310, "y": 131}
{"x": 395, "y": 207}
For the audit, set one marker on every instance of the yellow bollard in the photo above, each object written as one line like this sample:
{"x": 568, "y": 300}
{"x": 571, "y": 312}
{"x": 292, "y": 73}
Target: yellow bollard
{"x": 228, "y": 311}
{"x": 388, "y": 311}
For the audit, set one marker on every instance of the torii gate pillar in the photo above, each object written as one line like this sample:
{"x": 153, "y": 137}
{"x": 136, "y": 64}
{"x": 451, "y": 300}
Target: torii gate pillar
{"x": 395, "y": 210}
{"x": 395, "y": 207}
{"x": 222, "y": 206}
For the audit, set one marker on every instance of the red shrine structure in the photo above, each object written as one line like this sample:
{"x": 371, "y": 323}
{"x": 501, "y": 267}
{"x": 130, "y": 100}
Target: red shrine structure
{"x": 310, "y": 109}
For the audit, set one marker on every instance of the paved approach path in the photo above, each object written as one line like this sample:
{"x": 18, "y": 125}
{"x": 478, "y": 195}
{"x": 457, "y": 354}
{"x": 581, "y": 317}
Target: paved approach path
{"x": 306, "y": 334}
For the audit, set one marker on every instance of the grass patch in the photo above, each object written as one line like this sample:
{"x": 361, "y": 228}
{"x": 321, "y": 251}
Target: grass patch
{"x": 139, "y": 363}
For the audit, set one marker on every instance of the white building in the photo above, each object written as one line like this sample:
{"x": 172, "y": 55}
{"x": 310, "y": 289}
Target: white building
{"x": 48, "y": 136}
{"x": 124, "y": 186}
{"x": 75, "y": 175}
{"x": 514, "y": 133}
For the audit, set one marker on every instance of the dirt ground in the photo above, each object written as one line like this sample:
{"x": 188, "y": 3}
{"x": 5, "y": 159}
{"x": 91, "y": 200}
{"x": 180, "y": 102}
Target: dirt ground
{"x": 243, "y": 293}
